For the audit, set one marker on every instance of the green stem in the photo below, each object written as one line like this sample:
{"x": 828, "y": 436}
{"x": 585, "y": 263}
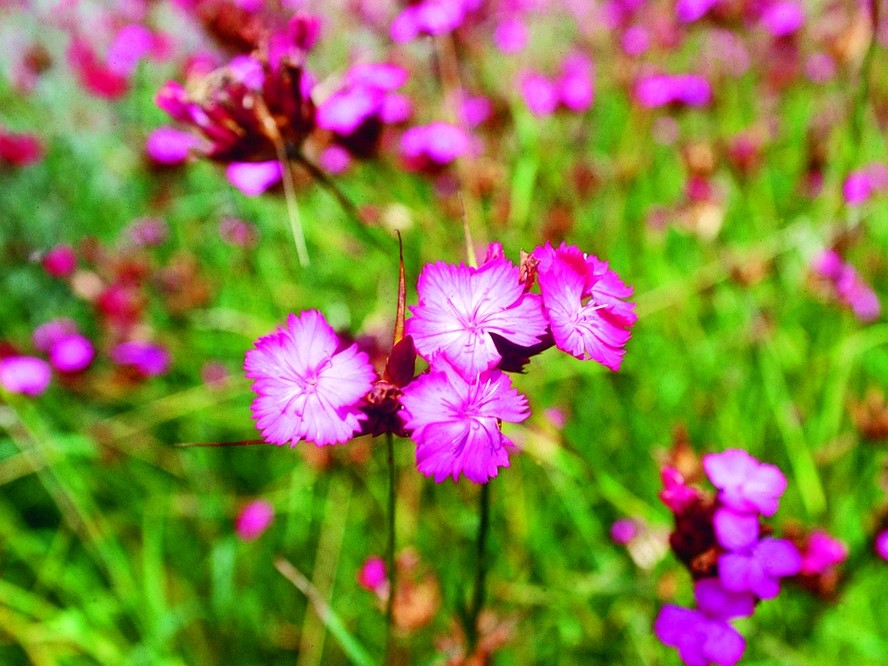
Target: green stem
{"x": 390, "y": 546}
{"x": 859, "y": 111}
{"x": 480, "y": 590}
{"x": 292, "y": 205}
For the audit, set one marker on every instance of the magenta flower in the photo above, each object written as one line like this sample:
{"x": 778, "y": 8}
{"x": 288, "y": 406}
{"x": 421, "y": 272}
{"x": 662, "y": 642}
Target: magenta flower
{"x": 148, "y": 231}
{"x": 689, "y": 11}
{"x": 24, "y": 374}
{"x": 167, "y": 146}
{"x": 253, "y": 520}
{"x": 433, "y": 145}
{"x": 60, "y": 261}
{"x": 735, "y": 530}
{"x": 699, "y": 639}
{"x": 335, "y": 159}
{"x": 857, "y": 188}
{"x": 19, "y": 149}
{"x": 676, "y": 494}
{"x": 783, "y": 18}
{"x": 849, "y": 286}
{"x": 511, "y": 35}
{"x": 372, "y": 576}
{"x": 48, "y": 334}
{"x": 254, "y": 178}
{"x": 760, "y": 569}
{"x": 460, "y": 307}
{"x": 238, "y": 232}
{"x": 821, "y": 553}
{"x": 658, "y": 90}
{"x": 622, "y": 531}
{"x": 455, "y": 422}
{"x": 539, "y": 93}
{"x": 575, "y": 85}
{"x": 71, "y": 353}
{"x": 584, "y": 302}
{"x": 717, "y": 602}
{"x": 146, "y": 357}
{"x": 881, "y": 544}
{"x": 745, "y": 484}
{"x": 306, "y": 387}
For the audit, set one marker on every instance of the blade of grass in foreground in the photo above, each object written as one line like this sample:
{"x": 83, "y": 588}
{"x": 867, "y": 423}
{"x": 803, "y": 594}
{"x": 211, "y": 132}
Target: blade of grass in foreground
{"x": 353, "y": 648}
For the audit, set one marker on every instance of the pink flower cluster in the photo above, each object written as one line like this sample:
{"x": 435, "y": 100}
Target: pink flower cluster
{"x": 848, "y": 286}
{"x": 472, "y": 326}
{"x": 720, "y": 540}
{"x": 573, "y": 89}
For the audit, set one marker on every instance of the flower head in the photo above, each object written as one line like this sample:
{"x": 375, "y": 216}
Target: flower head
{"x": 455, "y": 422}
{"x": 583, "y": 300}
{"x": 24, "y": 374}
{"x": 699, "y": 639}
{"x": 760, "y": 569}
{"x": 306, "y": 387}
{"x": 460, "y": 307}
{"x": 373, "y": 576}
{"x": 745, "y": 484}
{"x": 253, "y": 520}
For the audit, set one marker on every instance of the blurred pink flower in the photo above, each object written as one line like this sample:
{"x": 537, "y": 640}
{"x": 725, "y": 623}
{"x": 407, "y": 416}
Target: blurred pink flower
{"x": 622, "y": 531}
{"x": 372, "y": 575}
{"x": 20, "y": 149}
{"x": 335, "y": 159}
{"x": 254, "y": 178}
{"x": 848, "y": 285}
{"x": 26, "y": 375}
{"x": 307, "y": 386}
{"x": 240, "y": 233}
{"x": 760, "y": 569}
{"x": 689, "y": 11}
{"x": 822, "y": 551}
{"x": 783, "y": 18}
{"x": 148, "y": 358}
{"x": 71, "y": 353}
{"x": 511, "y": 35}
{"x": 253, "y": 520}
{"x": 539, "y": 93}
{"x": 60, "y": 261}
{"x": 168, "y": 146}
{"x": 435, "y": 144}
{"x": 881, "y": 544}
{"x": 744, "y": 483}
{"x": 656, "y": 90}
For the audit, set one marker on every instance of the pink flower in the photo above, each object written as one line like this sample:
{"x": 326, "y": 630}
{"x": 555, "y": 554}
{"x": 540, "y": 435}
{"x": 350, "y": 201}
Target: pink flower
{"x": 71, "y": 353}
{"x": 254, "y": 178}
{"x": 455, "y": 422}
{"x": 783, "y": 18}
{"x": 335, "y": 159}
{"x": 511, "y": 35}
{"x": 167, "y": 146}
{"x": 583, "y": 300}
{"x": 253, "y": 520}
{"x": 689, "y": 11}
{"x": 575, "y": 86}
{"x": 20, "y": 149}
{"x": 460, "y": 307}
{"x": 306, "y": 387}
{"x": 699, "y": 639}
{"x": 238, "y": 232}
{"x": 24, "y": 374}
{"x": 848, "y": 285}
{"x": 373, "y": 576}
{"x": 760, "y": 569}
{"x": 881, "y": 544}
{"x": 822, "y": 552}
{"x": 540, "y": 94}
{"x": 745, "y": 484}
{"x": 622, "y": 531}
{"x": 148, "y": 358}
{"x": 735, "y": 530}
{"x": 60, "y": 261}
{"x": 435, "y": 144}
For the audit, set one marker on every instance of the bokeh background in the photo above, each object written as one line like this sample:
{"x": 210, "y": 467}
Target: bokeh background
{"x": 714, "y": 193}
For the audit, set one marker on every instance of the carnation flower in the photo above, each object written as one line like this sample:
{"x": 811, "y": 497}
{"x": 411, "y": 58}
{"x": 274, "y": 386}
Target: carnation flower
{"x": 583, "y": 300}
{"x": 822, "y": 552}
{"x": 699, "y": 639}
{"x": 147, "y": 358}
{"x": 455, "y": 422}
{"x": 24, "y": 374}
{"x": 735, "y": 530}
{"x": 253, "y": 520}
{"x": 306, "y": 387}
{"x": 760, "y": 569}
{"x": 373, "y": 576}
{"x": 745, "y": 484}
{"x": 460, "y": 307}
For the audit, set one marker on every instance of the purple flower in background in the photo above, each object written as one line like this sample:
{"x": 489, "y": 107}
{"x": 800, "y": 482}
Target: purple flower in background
{"x": 253, "y": 520}
{"x": 335, "y": 159}
{"x": 735, "y": 530}
{"x": 783, "y": 18}
{"x": 148, "y": 231}
{"x": 511, "y": 35}
{"x": 60, "y": 261}
{"x": 699, "y": 639}
{"x": 48, "y": 334}
{"x": 238, "y": 232}
{"x": 623, "y": 531}
{"x": 539, "y": 93}
{"x": 822, "y": 552}
{"x": 636, "y": 40}
{"x": 760, "y": 569}
{"x": 345, "y": 110}
{"x": 148, "y": 358}
{"x": 307, "y": 388}
{"x": 575, "y": 85}
{"x": 71, "y": 353}
{"x": 849, "y": 286}
{"x": 460, "y": 307}
{"x": 857, "y": 188}
{"x": 881, "y": 544}
{"x": 168, "y": 146}
{"x": 436, "y": 144}
{"x": 584, "y": 303}
{"x": 744, "y": 483}
{"x": 373, "y": 576}
{"x": 676, "y": 494}
{"x": 657, "y": 90}
{"x": 26, "y": 375}
{"x": 254, "y": 178}
{"x": 689, "y": 11}
{"x": 455, "y": 422}
{"x": 719, "y": 603}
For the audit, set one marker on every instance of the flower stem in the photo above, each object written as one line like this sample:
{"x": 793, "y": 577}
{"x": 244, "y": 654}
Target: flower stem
{"x": 390, "y": 546}
{"x": 479, "y": 593}
{"x": 861, "y": 101}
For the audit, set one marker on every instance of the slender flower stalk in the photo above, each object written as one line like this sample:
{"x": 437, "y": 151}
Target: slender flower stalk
{"x": 390, "y": 546}
{"x": 480, "y": 590}
{"x": 292, "y": 204}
